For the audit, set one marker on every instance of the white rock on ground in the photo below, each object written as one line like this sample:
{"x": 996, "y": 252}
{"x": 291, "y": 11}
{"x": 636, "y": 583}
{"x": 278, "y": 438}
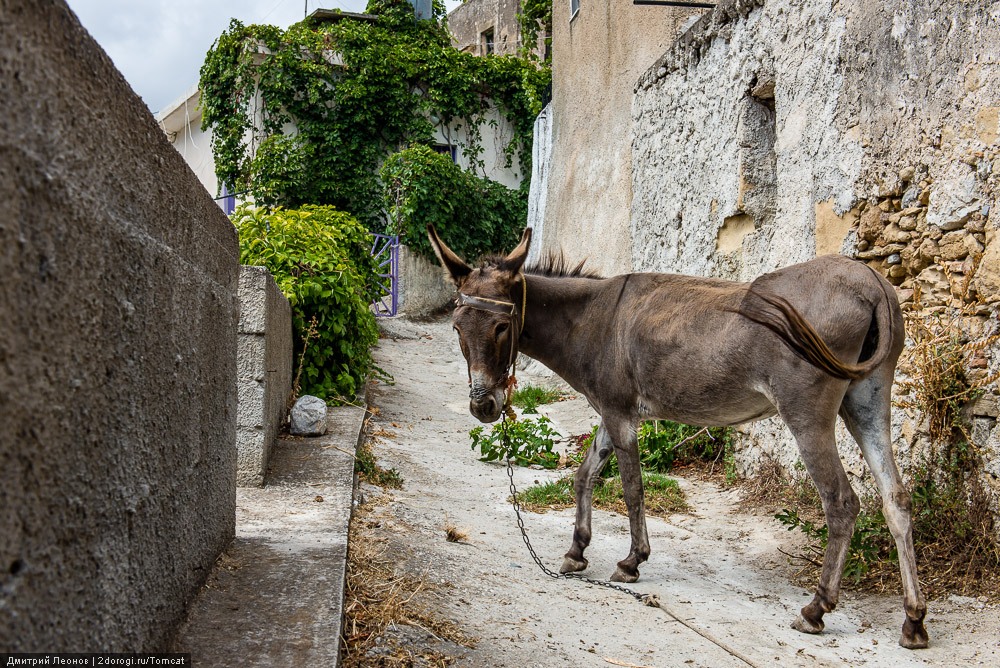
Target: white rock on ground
{"x": 308, "y": 416}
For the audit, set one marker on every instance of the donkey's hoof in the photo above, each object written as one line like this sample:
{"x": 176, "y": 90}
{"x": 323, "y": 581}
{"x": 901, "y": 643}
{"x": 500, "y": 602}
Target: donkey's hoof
{"x": 803, "y": 625}
{"x": 621, "y": 575}
{"x": 914, "y": 634}
{"x": 571, "y": 565}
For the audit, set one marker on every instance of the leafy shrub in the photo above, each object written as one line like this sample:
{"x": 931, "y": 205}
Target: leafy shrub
{"x": 395, "y": 81}
{"x": 475, "y": 216}
{"x": 321, "y": 261}
{"x": 871, "y": 543}
{"x": 531, "y": 442}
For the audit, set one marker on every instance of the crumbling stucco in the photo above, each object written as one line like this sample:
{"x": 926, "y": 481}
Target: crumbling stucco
{"x": 773, "y": 132}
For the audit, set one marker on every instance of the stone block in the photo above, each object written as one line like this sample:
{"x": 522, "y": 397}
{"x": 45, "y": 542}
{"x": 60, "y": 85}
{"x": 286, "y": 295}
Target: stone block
{"x": 264, "y": 366}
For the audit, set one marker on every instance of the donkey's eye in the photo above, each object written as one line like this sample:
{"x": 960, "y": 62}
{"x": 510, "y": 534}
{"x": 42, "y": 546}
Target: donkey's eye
{"x": 501, "y": 330}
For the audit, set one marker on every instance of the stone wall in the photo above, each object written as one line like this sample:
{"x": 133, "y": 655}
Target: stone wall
{"x": 264, "y": 367}
{"x": 117, "y": 353}
{"x": 423, "y": 285}
{"x": 471, "y": 19}
{"x": 773, "y": 132}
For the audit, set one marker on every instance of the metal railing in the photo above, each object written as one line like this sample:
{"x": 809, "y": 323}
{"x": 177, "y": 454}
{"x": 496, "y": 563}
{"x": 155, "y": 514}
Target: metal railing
{"x": 385, "y": 250}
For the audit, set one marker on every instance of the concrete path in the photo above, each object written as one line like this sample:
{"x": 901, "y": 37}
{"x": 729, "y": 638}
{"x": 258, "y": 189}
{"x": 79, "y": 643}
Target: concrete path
{"x": 275, "y": 597}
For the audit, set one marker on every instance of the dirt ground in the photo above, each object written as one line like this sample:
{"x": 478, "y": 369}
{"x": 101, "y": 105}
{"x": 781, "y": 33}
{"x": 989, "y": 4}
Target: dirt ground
{"x": 716, "y": 568}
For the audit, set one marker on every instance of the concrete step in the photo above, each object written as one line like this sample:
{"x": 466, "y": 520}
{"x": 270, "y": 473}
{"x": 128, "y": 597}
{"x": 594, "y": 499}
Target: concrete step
{"x": 275, "y": 596}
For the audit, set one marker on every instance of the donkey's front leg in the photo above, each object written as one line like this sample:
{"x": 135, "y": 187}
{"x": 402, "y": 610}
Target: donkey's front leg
{"x": 624, "y": 437}
{"x": 586, "y": 476}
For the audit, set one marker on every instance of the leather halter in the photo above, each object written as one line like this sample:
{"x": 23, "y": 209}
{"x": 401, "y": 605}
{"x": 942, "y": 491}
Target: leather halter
{"x": 508, "y": 309}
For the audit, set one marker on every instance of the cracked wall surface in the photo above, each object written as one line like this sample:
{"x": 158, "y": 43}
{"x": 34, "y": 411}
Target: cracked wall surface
{"x": 769, "y": 133}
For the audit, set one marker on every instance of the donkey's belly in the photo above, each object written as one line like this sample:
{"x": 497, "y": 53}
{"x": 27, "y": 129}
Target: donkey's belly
{"x": 704, "y": 411}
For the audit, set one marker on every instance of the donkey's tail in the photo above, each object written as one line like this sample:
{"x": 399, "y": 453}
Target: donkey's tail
{"x": 778, "y": 315}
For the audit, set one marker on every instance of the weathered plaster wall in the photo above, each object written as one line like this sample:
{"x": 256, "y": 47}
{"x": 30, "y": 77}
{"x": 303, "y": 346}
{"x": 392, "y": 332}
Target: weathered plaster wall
{"x": 264, "y": 371}
{"x": 773, "y": 132}
{"x": 538, "y": 191}
{"x": 596, "y": 58}
{"x": 117, "y": 353}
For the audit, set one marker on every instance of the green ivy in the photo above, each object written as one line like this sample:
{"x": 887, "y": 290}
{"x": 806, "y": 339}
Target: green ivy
{"x": 536, "y": 18}
{"x": 355, "y": 92}
{"x": 321, "y": 261}
{"x": 475, "y": 216}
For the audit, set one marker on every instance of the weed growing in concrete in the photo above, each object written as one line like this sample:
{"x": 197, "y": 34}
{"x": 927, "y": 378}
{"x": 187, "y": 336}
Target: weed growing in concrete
{"x": 530, "y": 397}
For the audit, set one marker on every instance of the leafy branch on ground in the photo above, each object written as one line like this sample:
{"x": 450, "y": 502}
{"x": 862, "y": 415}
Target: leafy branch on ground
{"x": 664, "y": 444}
{"x": 531, "y": 442}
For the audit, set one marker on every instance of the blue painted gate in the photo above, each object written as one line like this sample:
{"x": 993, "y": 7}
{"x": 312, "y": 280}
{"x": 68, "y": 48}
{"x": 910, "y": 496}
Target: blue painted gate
{"x": 385, "y": 250}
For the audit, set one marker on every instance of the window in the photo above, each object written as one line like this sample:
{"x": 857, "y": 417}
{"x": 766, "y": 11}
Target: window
{"x": 486, "y": 43}
{"x": 446, "y": 149}
{"x": 574, "y": 9}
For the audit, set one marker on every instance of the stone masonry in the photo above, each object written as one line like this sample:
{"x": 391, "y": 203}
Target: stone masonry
{"x": 772, "y": 132}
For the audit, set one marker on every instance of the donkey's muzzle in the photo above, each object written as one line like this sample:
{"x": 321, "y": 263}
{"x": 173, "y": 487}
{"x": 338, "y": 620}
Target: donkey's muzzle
{"x": 486, "y": 405}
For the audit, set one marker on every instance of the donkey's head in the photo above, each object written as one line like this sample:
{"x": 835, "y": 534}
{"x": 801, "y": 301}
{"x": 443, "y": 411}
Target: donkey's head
{"x": 488, "y": 317}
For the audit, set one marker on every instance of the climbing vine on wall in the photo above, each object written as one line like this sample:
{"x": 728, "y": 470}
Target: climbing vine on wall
{"x": 306, "y": 115}
{"x": 536, "y": 19}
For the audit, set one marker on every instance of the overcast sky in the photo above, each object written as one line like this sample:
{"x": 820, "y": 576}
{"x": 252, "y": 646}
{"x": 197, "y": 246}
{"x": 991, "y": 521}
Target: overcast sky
{"x": 159, "y": 45}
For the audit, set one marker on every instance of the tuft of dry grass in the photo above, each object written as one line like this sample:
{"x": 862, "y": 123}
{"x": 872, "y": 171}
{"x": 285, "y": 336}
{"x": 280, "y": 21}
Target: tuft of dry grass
{"x": 378, "y": 598}
{"x": 455, "y": 535}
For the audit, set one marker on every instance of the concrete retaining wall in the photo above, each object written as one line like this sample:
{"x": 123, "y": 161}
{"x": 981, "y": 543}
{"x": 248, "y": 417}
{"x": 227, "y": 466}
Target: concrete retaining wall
{"x": 423, "y": 288}
{"x": 264, "y": 365}
{"x": 117, "y": 353}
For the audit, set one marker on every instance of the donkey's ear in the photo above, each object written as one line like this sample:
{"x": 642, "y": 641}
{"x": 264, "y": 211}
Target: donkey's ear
{"x": 515, "y": 260}
{"x": 456, "y": 268}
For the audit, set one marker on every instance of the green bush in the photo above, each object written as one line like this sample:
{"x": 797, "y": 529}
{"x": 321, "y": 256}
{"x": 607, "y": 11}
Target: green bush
{"x": 394, "y": 82}
{"x": 475, "y": 216}
{"x": 663, "y": 443}
{"x": 321, "y": 260}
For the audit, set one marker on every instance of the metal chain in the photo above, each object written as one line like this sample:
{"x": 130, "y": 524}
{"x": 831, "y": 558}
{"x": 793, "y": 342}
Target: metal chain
{"x": 647, "y": 599}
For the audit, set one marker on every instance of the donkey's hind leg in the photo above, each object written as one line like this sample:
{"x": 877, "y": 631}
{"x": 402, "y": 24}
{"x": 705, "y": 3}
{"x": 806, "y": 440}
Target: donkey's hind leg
{"x": 623, "y": 435}
{"x": 865, "y": 411}
{"x": 586, "y": 476}
{"x": 818, "y": 447}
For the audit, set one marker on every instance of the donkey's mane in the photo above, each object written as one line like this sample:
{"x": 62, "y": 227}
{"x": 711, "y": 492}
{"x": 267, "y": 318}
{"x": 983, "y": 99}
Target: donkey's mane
{"x": 553, "y": 265}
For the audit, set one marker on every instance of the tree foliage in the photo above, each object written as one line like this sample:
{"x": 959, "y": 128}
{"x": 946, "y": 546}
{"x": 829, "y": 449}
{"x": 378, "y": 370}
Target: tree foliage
{"x": 306, "y": 115}
{"x": 474, "y": 215}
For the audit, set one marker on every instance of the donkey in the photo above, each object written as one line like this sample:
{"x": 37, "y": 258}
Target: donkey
{"x": 706, "y": 352}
